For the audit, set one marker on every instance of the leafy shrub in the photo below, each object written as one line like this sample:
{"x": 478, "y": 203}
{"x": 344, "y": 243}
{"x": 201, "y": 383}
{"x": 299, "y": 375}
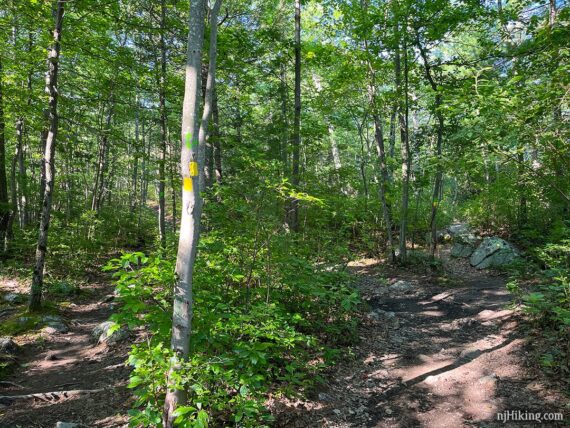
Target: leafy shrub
{"x": 253, "y": 332}
{"x": 548, "y": 305}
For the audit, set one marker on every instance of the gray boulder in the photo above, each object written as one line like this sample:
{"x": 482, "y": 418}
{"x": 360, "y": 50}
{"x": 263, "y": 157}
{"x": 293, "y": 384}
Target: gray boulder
{"x": 13, "y": 298}
{"x": 54, "y": 324}
{"x": 384, "y": 317}
{"x": 55, "y": 327}
{"x": 8, "y": 346}
{"x": 401, "y": 286}
{"x": 493, "y": 252}
{"x": 101, "y": 333}
{"x": 462, "y": 250}
{"x": 66, "y": 425}
{"x": 458, "y": 229}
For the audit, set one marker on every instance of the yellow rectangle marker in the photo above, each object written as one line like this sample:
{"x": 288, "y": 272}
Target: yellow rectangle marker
{"x": 187, "y": 184}
{"x": 194, "y": 169}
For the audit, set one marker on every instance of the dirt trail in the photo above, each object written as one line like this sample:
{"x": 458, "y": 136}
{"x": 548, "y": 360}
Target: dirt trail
{"x": 430, "y": 356}
{"x": 71, "y": 362}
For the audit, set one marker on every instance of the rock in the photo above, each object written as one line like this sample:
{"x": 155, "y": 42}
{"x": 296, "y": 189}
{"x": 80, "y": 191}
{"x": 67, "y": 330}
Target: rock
{"x": 51, "y": 356}
{"x": 107, "y": 299}
{"x": 402, "y": 286}
{"x": 458, "y": 229}
{"x": 66, "y": 425}
{"x": 493, "y": 252}
{"x": 385, "y": 317}
{"x": 8, "y": 346}
{"x": 462, "y": 250}
{"x": 337, "y": 412}
{"x": 324, "y": 397}
{"x": 48, "y": 331}
{"x": 52, "y": 318}
{"x": 13, "y": 298}
{"x": 101, "y": 333}
{"x": 24, "y": 320}
{"x": 57, "y": 327}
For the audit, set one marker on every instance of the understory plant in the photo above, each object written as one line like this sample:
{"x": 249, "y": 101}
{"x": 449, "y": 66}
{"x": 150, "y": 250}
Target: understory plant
{"x": 265, "y": 321}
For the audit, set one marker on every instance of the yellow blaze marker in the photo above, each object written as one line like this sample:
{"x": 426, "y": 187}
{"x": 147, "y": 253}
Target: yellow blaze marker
{"x": 187, "y": 184}
{"x": 194, "y": 169}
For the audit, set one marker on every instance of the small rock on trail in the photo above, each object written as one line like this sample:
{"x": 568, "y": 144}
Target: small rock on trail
{"x": 8, "y": 346}
{"x": 101, "y": 333}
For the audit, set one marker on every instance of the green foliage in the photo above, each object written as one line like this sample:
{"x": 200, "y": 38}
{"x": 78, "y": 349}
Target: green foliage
{"x": 254, "y": 332}
{"x": 548, "y": 305}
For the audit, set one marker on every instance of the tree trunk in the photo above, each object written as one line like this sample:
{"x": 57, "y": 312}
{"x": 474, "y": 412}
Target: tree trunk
{"x": 4, "y": 204}
{"x": 163, "y": 130}
{"x": 135, "y": 178}
{"x": 49, "y": 158}
{"x": 173, "y": 187}
{"x": 293, "y": 205}
{"x": 99, "y": 186}
{"x": 285, "y": 120}
{"x": 437, "y": 187}
{"x": 384, "y": 172}
{"x": 405, "y": 151}
{"x": 210, "y": 84}
{"x": 191, "y": 210}
{"x": 216, "y": 137}
{"x": 392, "y": 137}
{"x": 22, "y": 182}
{"x": 14, "y": 201}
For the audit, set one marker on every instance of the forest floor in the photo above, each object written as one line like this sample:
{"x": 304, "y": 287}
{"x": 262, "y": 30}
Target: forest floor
{"x": 76, "y": 380}
{"x": 435, "y": 355}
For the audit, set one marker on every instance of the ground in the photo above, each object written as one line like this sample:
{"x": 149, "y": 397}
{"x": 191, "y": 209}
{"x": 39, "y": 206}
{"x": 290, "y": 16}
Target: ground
{"x": 431, "y": 354}
{"x": 441, "y": 354}
{"x": 71, "y": 365}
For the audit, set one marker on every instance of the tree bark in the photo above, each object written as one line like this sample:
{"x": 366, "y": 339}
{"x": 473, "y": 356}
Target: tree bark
{"x": 99, "y": 186}
{"x": 216, "y": 138}
{"x": 437, "y": 187}
{"x": 191, "y": 210}
{"x": 210, "y": 84}
{"x": 405, "y": 150}
{"x": 135, "y": 176}
{"x": 22, "y": 182}
{"x": 4, "y": 204}
{"x": 49, "y": 158}
{"x": 163, "y": 130}
{"x": 293, "y": 205}
{"x": 384, "y": 172}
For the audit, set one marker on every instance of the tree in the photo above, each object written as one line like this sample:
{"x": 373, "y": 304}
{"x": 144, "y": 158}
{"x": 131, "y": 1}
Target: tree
{"x": 4, "y": 204}
{"x": 293, "y": 208}
{"x": 52, "y": 89}
{"x": 191, "y": 209}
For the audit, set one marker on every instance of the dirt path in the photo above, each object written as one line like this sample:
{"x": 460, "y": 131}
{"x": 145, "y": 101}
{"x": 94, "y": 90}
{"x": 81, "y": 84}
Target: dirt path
{"x": 430, "y": 356}
{"x": 73, "y": 363}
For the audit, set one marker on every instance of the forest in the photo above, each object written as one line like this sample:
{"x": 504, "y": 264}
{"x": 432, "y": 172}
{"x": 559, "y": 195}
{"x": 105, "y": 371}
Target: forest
{"x": 284, "y": 213}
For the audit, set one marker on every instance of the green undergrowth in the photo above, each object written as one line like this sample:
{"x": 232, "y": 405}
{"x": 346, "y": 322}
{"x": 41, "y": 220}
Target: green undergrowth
{"x": 266, "y": 320}
{"x": 541, "y": 284}
{"x": 21, "y": 321}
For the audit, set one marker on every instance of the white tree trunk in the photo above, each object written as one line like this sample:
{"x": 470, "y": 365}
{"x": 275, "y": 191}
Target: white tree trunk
{"x": 191, "y": 208}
